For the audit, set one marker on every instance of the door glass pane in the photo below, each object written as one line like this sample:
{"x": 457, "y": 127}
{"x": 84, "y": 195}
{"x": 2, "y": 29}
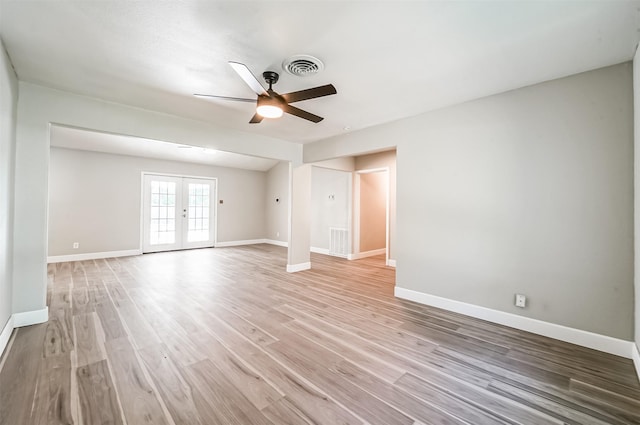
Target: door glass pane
{"x": 198, "y": 208}
{"x": 163, "y": 222}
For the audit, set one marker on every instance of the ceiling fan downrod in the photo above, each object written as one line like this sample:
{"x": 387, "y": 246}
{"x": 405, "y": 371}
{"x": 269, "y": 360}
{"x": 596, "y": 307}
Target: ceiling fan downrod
{"x": 271, "y": 77}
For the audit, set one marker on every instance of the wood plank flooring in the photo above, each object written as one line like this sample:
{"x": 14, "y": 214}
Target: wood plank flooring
{"x": 226, "y": 336}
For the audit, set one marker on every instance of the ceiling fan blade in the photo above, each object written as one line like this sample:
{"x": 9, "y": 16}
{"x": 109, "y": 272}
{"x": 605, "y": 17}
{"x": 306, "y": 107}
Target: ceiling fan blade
{"x": 248, "y": 77}
{"x": 256, "y": 119}
{"x": 320, "y": 91}
{"x": 238, "y": 99}
{"x": 302, "y": 114}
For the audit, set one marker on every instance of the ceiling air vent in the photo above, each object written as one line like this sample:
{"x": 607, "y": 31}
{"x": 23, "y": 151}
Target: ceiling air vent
{"x": 302, "y": 65}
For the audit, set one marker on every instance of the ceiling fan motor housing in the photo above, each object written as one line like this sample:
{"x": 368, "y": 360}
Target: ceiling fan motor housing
{"x": 271, "y": 77}
{"x": 271, "y": 106}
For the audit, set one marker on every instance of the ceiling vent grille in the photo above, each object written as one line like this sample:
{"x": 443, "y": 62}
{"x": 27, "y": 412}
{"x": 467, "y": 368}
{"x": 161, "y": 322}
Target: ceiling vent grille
{"x": 302, "y": 65}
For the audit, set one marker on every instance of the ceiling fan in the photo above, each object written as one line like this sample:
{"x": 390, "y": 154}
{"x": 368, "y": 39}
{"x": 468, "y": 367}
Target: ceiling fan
{"x": 271, "y": 104}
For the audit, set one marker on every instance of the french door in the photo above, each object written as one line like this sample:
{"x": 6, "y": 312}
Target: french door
{"x": 177, "y": 213}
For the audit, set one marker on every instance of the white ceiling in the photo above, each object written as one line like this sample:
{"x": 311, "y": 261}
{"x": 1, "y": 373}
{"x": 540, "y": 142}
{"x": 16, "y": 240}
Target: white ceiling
{"x": 388, "y": 60}
{"x": 74, "y": 138}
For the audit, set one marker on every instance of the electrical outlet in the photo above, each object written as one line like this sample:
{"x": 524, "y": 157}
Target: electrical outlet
{"x": 277, "y": 234}
{"x": 76, "y": 245}
{"x": 521, "y": 301}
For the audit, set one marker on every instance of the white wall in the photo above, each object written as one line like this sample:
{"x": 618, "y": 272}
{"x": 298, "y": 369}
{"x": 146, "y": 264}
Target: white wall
{"x": 529, "y": 191}
{"x": 277, "y": 213}
{"x": 37, "y": 108}
{"x": 94, "y": 199}
{"x": 330, "y": 191}
{"x": 386, "y": 159}
{"x": 8, "y": 110}
{"x": 298, "y": 256}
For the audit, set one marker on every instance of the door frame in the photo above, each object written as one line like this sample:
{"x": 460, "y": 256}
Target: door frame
{"x": 355, "y": 254}
{"x": 214, "y": 208}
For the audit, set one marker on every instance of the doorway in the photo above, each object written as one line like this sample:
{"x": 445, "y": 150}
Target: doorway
{"x": 371, "y": 213}
{"x": 177, "y": 212}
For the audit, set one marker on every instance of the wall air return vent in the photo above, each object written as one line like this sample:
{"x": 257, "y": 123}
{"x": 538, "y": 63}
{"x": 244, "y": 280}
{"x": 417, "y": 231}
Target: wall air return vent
{"x": 302, "y": 65}
{"x": 338, "y": 242}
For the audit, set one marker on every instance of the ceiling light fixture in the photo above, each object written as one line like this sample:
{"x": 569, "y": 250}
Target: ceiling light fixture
{"x": 269, "y": 107}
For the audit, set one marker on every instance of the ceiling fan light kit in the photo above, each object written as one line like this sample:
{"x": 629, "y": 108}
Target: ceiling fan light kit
{"x": 269, "y": 107}
{"x": 270, "y": 104}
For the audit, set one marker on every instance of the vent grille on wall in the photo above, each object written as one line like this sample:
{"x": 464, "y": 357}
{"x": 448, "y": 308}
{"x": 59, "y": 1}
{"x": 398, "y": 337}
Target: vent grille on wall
{"x": 338, "y": 242}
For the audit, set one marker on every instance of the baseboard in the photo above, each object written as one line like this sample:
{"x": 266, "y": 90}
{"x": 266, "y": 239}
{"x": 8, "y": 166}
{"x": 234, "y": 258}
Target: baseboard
{"x": 325, "y": 251}
{"x": 29, "y": 318}
{"x": 239, "y": 243}
{"x": 635, "y": 355}
{"x": 278, "y": 243}
{"x": 93, "y": 256}
{"x": 366, "y": 254}
{"x": 6, "y": 334}
{"x": 18, "y": 320}
{"x": 292, "y": 268}
{"x": 316, "y": 250}
{"x": 587, "y": 339}
{"x": 391, "y": 263}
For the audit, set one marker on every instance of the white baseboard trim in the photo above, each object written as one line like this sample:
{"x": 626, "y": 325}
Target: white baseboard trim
{"x": 239, "y": 243}
{"x": 29, "y": 318}
{"x": 6, "y": 334}
{"x": 93, "y": 256}
{"x": 325, "y": 251}
{"x": 292, "y": 268}
{"x": 359, "y": 255}
{"x": 635, "y": 355}
{"x": 391, "y": 263}
{"x": 278, "y": 243}
{"x": 18, "y": 320}
{"x": 587, "y": 339}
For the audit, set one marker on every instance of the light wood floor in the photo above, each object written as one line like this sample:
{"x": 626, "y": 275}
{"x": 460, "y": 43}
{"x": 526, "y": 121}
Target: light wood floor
{"x": 226, "y": 336}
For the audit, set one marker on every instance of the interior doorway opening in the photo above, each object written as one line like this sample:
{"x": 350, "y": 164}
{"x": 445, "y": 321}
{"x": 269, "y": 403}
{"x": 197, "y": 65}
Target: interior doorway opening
{"x": 371, "y": 213}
